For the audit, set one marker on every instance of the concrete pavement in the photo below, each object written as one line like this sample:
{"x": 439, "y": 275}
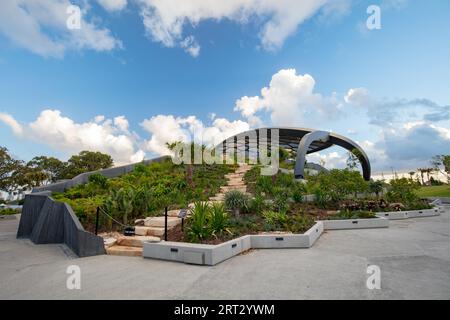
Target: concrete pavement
{"x": 414, "y": 257}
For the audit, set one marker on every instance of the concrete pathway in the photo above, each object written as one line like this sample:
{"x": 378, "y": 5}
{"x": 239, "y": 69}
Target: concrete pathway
{"x": 413, "y": 255}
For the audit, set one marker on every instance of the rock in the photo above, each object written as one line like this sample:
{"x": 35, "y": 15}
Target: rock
{"x": 136, "y": 241}
{"x": 109, "y": 242}
{"x": 141, "y": 231}
{"x": 160, "y": 222}
{"x": 139, "y": 222}
{"x": 125, "y": 251}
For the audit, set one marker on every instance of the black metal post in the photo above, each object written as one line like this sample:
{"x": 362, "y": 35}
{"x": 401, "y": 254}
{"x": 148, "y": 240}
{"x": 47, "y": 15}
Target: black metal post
{"x": 165, "y": 224}
{"x": 96, "y": 220}
{"x": 182, "y": 224}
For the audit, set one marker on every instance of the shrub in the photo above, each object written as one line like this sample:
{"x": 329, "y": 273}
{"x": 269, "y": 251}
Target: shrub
{"x": 403, "y": 190}
{"x": 99, "y": 180}
{"x": 376, "y": 187}
{"x": 281, "y": 197}
{"x": 219, "y": 220}
{"x": 298, "y": 191}
{"x": 299, "y": 223}
{"x": 337, "y": 184}
{"x": 9, "y": 212}
{"x": 198, "y": 229}
{"x": 257, "y": 205}
{"x": 274, "y": 220}
{"x": 236, "y": 201}
{"x": 264, "y": 184}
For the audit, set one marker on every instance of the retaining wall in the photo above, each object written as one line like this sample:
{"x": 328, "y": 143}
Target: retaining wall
{"x": 210, "y": 255}
{"x": 45, "y": 221}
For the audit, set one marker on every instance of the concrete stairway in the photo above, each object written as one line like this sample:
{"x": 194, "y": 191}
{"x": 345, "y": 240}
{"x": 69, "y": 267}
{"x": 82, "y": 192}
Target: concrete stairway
{"x": 235, "y": 182}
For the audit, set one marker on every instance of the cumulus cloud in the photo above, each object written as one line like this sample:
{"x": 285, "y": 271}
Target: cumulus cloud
{"x": 289, "y": 99}
{"x": 113, "y": 5}
{"x": 168, "y": 129}
{"x": 416, "y": 142}
{"x": 62, "y": 133}
{"x": 165, "y": 20}
{"x": 41, "y": 27}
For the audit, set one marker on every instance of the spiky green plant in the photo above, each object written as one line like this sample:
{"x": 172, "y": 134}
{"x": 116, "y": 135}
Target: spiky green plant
{"x": 219, "y": 219}
{"x": 236, "y": 201}
{"x": 198, "y": 229}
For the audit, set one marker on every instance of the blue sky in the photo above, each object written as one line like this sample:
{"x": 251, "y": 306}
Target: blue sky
{"x": 156, "y": 73}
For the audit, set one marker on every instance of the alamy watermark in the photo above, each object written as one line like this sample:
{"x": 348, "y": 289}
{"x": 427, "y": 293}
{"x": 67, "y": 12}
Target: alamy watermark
{"x": 73, "y": 21}
{"x": 374, "y": 20}
{"x": 374, "y": 280}
{"x": 74, "y": 279}
{"x": 253, "y": 147}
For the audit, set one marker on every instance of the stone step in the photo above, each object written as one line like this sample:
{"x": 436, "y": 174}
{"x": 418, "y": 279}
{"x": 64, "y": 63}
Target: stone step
{"x": 124, "y": 251}
{"x": 160, "y": 222}
{"x": 233, "y": 188}
{"x": 149, "y": 231}
{"x": 136, "y": 241}
{"x": 218, "y": 198}
{"x": 236, "y": 183}
{"x": 109, "y": 242}
{"x": 232, "y": 176}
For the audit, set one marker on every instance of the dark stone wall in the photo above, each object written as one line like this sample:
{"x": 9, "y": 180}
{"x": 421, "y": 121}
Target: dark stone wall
{"x": 45, "y": 221}
{"x": 84, "y": 177}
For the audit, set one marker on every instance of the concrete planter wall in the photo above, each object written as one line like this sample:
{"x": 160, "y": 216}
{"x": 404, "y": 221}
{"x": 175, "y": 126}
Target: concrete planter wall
{"x": 211, "y": 255}
{"x": 399, "y": 215}
{"x": 349, "y": 224}
{"x": 45, "y": 221}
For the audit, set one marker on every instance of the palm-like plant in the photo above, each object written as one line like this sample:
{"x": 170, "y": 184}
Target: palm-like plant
{"x": 199, "y": 229}
{"x": 236, "y": 201}
{"x": 219, "y": 220}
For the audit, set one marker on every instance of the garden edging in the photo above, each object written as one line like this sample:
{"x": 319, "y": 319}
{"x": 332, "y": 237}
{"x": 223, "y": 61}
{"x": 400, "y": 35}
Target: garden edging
{"x": 349, "y": 224}
{"x": 210, "y": 255}
{"x": 400, "y": 215}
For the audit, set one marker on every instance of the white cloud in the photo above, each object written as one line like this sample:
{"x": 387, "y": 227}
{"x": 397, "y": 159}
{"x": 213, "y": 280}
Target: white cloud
{"x": 168, "y": 129}
{"x": 122, "y": 123}
{"x": 290, "y": 100}
{"x": 12, "y": 123}
{"x": 113, "y": 5}
{"x": 41, "y": 27}
{"x": 63, "y": 134}
{"x": 165, "y": 20}
{"x": 191, "y": 46}
{"x": 359, "y": 97}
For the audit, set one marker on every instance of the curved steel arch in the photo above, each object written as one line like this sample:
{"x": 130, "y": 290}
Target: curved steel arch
{"x": 304, "y": 141}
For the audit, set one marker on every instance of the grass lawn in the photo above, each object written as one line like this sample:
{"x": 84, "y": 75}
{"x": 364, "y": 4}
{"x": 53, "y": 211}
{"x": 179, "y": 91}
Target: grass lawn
{"x": 435, "y": 191}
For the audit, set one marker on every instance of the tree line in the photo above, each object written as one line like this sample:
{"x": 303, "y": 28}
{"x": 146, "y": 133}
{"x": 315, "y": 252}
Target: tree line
{"x": 17, "y": 175}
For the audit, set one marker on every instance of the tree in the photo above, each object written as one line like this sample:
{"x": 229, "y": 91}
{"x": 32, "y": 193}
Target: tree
{"x": 53, "y": 167}
{"x": 442, "y": 161}
{"x": 353, "y": 159}
{"x": 376, "y": 187}
{"x": 9, "y": 168}
{"x": 86, "y": 161}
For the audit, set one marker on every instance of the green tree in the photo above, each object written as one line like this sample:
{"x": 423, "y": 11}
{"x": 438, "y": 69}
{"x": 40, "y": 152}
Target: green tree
{"x": 53, "y": 167}
{"x": 376, "y": 187}
{"x": 353, "y": 159}
{"x": 440, "y": 161}
{"x": 87, "y": 161}
{"x": 10, "y": 170}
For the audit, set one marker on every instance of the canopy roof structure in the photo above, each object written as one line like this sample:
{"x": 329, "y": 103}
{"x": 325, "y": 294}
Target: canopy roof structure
{"x": 300, "y": 140}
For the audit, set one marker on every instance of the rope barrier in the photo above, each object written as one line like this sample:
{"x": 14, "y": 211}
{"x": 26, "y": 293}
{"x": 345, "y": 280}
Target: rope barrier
{"x": 102, "y": 211}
